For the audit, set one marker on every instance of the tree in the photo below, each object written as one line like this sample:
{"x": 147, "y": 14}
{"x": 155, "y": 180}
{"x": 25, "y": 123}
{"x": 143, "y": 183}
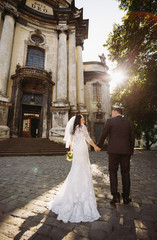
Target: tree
{"x": 133, "y": 46}
{"x": 139, "y": 5}
{"x": 135, "y": 100}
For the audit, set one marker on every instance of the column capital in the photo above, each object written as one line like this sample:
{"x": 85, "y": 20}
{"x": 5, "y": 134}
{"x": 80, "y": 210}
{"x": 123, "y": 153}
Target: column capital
{"x": 10, "y": 10}
{"x": 72, "y": 31}
{"x": 1, "y": 8}
{"x": 79, "y": 41}
{"x": 62, "y": 28}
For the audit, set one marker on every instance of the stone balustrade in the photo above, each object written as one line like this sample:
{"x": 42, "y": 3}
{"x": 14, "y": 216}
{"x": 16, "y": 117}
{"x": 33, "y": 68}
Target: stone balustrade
{"x": 33, "y": 70}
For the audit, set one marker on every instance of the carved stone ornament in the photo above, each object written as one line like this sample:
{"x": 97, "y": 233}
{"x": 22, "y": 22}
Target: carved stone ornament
{"x": 11, "y": 10}
{"x": 17, "y": 67}
{"x": 77, "y": 13}
{"x": 62, "y": 27}
{"x": 38, "y": 32}
{"x": 64, "y": 3}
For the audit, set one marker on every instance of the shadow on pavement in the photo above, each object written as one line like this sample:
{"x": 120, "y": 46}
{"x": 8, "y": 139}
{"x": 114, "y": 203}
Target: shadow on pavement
{"x": 32, "y": 179}
{"x": 25, "y": 179}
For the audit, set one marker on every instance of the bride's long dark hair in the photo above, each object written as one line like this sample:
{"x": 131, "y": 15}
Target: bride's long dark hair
{"x": 77, "y": 122}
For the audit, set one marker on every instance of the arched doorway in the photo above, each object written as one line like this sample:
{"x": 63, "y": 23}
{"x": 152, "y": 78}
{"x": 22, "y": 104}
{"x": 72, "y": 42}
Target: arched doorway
{"x": 31, "y": 101}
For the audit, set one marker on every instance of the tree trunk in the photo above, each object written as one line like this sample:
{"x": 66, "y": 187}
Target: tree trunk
{"x": 147, "y": 141}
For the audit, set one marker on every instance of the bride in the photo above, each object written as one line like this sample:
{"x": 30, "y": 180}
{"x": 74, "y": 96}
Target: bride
{"x": 76, "y": 201}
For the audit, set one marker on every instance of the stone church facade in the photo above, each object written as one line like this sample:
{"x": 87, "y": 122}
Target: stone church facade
{"x": 43, "y": 80}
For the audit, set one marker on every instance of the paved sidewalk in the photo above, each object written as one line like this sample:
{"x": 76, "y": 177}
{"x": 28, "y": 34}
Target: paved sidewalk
{"x": 27, "y": 184}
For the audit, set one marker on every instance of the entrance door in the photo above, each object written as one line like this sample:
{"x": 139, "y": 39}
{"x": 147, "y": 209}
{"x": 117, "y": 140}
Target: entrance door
{"x": 31, "y": 122}
{"x": 98, "y": 129}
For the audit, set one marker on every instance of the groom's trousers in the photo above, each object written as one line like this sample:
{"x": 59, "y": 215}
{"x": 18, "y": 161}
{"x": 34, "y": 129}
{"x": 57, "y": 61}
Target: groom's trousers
{"x": 124, "y": 161}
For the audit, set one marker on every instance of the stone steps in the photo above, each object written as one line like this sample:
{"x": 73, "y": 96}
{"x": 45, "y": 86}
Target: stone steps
{"x": 31, "y": 147}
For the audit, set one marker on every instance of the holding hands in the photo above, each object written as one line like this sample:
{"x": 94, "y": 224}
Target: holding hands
{"x": 97, "y": 149}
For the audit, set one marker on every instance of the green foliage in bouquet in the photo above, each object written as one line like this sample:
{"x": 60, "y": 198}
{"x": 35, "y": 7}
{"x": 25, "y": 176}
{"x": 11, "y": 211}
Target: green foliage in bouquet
{"x": 69, "y": 156}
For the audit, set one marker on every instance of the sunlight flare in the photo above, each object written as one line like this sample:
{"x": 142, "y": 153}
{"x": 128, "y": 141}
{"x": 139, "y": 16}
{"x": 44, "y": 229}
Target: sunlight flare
{"x": 117, "y": 77}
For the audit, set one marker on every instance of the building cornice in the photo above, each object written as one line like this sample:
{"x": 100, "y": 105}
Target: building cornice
{"x": 72, "y": 16}
{"x": 93, "y": 75}
{"x": 11, "y": 10}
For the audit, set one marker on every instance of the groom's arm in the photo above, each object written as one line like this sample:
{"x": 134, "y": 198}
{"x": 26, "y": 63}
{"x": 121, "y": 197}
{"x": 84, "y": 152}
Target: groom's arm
{"x": 132, "y": 136}
{"x": 104, "y": 133}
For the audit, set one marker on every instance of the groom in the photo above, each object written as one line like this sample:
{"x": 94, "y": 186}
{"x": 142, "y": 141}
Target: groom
{"x": 120, "y": 132}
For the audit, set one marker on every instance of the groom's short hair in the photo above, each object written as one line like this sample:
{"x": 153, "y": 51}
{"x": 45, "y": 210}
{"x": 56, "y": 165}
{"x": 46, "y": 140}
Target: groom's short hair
{"x": 118, "y": 109}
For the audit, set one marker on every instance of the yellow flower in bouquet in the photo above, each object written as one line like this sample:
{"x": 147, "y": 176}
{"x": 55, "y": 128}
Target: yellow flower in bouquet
{"x": 69, "y": 156}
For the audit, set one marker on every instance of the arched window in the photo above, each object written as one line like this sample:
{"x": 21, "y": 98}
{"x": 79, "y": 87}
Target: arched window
{"x": 35, "y": 57}
{"x": 97, "y": 93}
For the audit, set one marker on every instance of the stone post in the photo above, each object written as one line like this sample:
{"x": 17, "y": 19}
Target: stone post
{"x": 5, "y": 51}
{"x": 62, "y": 66}
{"x": 80, "y": 77}
{"x": 72, "y": 71}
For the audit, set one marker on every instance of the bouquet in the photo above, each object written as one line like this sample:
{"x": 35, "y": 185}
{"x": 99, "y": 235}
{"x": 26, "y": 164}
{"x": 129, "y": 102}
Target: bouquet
{"x": 69, "y": 156}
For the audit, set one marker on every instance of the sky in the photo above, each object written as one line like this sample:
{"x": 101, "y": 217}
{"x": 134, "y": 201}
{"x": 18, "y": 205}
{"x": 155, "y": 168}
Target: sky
{"x": 102, "y": 14}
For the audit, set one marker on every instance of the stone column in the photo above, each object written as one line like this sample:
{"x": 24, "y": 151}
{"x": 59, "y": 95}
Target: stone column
{"x": 80, "y": 77}
{"x": 5, "y": 51}
{"x": 62, "y": 67}
{"x": 60, "y": 108}
{"x": 45, "y": 110}
{"x": 72, "y": 71}
{"x": 16, "y": 108}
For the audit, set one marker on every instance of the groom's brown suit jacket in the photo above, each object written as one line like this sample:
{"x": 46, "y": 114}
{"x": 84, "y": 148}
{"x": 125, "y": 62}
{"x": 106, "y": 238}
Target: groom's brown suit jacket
{"x": 120, "y": 132}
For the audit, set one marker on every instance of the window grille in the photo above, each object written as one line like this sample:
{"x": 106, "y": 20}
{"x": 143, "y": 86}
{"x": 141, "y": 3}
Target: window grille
{"x": 35, "y": 57}
{"x": 97, "y": 94}
{"x": 29, "y": 97}
{"x": 37, "y": 39}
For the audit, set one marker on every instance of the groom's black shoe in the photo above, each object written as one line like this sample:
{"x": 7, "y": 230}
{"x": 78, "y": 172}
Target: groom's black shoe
{"x": 126, "y": 200}
{"x": 115, "y": 199}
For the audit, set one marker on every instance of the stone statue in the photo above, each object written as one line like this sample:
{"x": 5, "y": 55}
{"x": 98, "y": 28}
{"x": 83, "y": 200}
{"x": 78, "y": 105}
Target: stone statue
{"x": 103, "y": 59}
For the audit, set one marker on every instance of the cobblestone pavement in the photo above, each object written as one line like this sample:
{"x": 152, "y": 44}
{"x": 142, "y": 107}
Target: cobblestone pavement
{"x": 27, "y": 184}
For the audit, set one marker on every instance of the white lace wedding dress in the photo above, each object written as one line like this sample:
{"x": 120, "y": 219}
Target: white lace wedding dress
{"x": 75, "y": 202}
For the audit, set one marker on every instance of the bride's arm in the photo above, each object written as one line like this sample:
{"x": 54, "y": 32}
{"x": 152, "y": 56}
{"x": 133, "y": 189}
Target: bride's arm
{"x": 96, "y": 148}
{"x": 89, "y": 140}
{"x": 71, "y": 148}
{"x": 71, "y": 145}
